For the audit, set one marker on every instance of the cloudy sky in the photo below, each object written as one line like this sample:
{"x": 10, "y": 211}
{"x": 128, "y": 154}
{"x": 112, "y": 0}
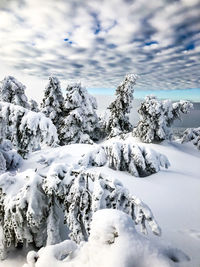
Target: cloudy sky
{"x": 98, "y": 41}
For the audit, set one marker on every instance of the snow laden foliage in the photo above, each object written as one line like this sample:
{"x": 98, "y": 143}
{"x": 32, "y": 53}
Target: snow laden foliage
{"x": 138, "y": 160}
{"x": 25, "y": 129}
{"x": 157, "y": 117}
{"x": 29, "y": 204}
{"x": 192, "y": 134}
{"x": 34, "y": 106}
{"x": 80, "y": 124}
{"x": 9, "y": 159}
{"x": 113, "y": 242}
{"x": 53, "y": 102}
{"x": 118, "y": 122}
{"x": 12, "y": 91}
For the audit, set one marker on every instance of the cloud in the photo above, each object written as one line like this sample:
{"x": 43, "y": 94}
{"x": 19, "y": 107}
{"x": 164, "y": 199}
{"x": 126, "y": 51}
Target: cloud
{"x": 98, "y": 42}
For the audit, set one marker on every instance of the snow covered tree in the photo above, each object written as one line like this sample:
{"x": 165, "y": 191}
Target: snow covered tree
{"x": 9, "y": 159}
{"x": 53, "y": 102}
{"x": 118, "y": 122}
{"x": 12, "y": 91}
{"x": 192, "y": 134}
{"x": 81, "y": 122}
{"x": 34, "y": 106}
{"x": 29, "y": 204}
{"x": 157, "y": 117}
{"x": 25, "y": 129}
{"x": 138, "y": 160}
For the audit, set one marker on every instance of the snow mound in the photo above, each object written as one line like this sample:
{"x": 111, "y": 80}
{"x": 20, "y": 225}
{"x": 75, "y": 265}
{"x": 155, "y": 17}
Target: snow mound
{"x": 113, "y": 242}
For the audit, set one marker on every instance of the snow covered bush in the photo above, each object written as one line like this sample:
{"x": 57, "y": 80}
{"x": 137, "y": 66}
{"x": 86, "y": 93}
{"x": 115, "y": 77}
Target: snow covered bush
{"x": 81, "y": 122}
{"x": 118, "y": 122}
{"x": 138, "y": 160}
{"x": 157, "y": 117}
{"x": 192, "y": 134}
{"x": 113, "y": 242}
{"x": 29, "y": 206}
{"x": 25, "y": 129}
{"x": 12, "y": 91}
{"x": 34, "y": 106}
{"x": 9, "y": 159}
{"x": 53, "y": 102}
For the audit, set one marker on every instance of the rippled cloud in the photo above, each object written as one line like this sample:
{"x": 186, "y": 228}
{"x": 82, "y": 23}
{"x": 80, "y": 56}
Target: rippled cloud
{"x": 98, "y": 41}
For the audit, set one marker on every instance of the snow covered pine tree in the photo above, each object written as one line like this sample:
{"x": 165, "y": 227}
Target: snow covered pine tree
{"x": 53, "y": 102}
{"x": 81, "y": 121}
{"x": 118, "y": 122}
{"x": 157, "y": 118}
{"x": 12, "y": 91}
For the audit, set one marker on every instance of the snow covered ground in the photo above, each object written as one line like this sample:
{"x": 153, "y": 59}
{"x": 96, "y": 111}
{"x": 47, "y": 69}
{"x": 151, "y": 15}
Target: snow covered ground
{"x": 173, "y": 194}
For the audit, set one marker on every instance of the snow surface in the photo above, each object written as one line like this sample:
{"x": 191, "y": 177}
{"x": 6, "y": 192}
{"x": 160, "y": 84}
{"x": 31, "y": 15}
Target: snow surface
{"x": 173, "y": 195}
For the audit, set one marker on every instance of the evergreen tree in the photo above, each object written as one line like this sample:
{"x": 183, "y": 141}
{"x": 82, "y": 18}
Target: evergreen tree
{"x": 12, "y": 91}
{"x": 157, "y": 117}
{"x": 118, "y": 122}
{"x": 25, "y": 129}
{"x": 53, "y": 102}
{"x": 81, "y": 122}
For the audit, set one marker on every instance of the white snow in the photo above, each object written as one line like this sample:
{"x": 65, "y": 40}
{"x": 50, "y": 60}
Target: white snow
{"x": 173, "y": 196}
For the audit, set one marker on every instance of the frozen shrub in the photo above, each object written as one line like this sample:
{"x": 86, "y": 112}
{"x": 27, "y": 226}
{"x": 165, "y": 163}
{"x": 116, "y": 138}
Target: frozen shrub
{"x": 9, "y": 159}
{"x": 34, "y": 106}
{"x": 12, "y": 91}
{"x": 192, "y": 134}
{"x": 123, "y": 156}
{"x": 157, "y": 117}
{"x": 118, "y": 121}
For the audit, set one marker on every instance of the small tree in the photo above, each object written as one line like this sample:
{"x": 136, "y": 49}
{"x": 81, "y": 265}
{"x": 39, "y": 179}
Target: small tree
{"x": 81, "y": 121}
{"x": 12, "y": 91}
{"x": 157, "y": 117}
{"x": 118, "y": 122}
{"x": 53, "y": 102}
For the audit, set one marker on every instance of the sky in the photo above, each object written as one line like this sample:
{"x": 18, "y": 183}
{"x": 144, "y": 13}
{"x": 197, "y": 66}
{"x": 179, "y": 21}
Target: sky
{"x": 98, "y": 42}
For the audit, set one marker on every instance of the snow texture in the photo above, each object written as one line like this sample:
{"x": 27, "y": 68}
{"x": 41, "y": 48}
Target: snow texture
{"x": 157, "y": 117}
{"x": 25, "y": 129}
{"x": 80, "y": 124}
{"x": 113, "y": 242}
{"x": 118, "y": 122}
{"x": 137, "y": 159}
{"x": 12, "y": 91}
{"x": 192, "y": 134}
